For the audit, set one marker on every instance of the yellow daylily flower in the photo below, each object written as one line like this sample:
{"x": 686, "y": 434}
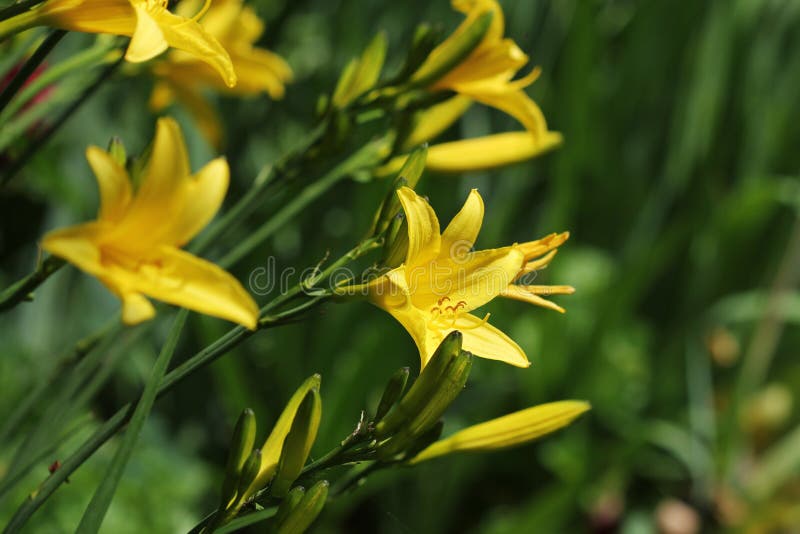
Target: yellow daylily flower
{"x": 183, "y": 76}
{"x": 149, "y": 24}
{"x": 133, "y": 247}
{"x": 507, "y": 431}
{"x": 486, "y": 75}
{"x": 441, "y": 280}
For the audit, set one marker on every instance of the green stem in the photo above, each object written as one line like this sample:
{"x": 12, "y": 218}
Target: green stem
{"x": 37, "y": 144}
{"x": 30, "y": 66}
{"x": 21, "y": 290}
{"x": 217, "y": 349}
{"x": 17, "y": 21}
{"x": 87, "y": 59}
{"x": 363, "y": 157}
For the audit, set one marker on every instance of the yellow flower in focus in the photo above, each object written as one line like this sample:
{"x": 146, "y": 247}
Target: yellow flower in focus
{"x": 133, "y": 247}
{"x": 507, "y": 431}
{"x": 151, "y": 27}
{"x": 441, "y": 280}
{"x": 486, "y": 75}
{"x": 183, "y": 76}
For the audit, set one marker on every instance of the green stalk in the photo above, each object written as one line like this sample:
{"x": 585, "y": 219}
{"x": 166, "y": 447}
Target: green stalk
{"x": 30, "y": 66}
{"x": 21, "y": 290}
{"x": 96, "y": 511}
{"x": 231, "y": 339}
{"x": 14, "y": 19}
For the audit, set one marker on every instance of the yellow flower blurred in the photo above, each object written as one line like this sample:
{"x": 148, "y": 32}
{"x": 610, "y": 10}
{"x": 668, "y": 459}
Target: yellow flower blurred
{"x": 133, "y": 247}
{"x": 441, "y": 280}
{"x": 149, "y": 24}
{"x": 507, "y": 431}
{"x": 183, "y": 76}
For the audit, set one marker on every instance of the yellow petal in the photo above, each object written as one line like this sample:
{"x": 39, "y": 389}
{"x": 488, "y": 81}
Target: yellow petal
{"x": 516, "y": 103}
{"x": 189, "y": 36}
{"x": 136, "y": 309}
{"x": 520, "y": 293}
{"x": 161, "y": 193}
{"x": 203, "y": 197}
{"x": 489, "y": 152}
{"x": 486, "y": 341}
{"x": 533, "y": 249}
{"x": 423, "y": 227}
{"x": 437, "y": 119}
{"x": 261, "y": 70}
{"x": 113, "y": 182}
{"x": 148, "y": 39}
{"x": 508, "y": 431}
{"x": 459, "y": 236}
{"x": 180, "y": 278}
{"x": 78, "y": 245}
{"x": 202, "y": 111}
{"x": 500, "y": 61}
{"x": 92, "y": 16}
{"x": 161, "y": 97}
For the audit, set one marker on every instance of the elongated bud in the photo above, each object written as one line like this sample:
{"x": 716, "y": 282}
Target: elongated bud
{"x": 409, "y": 176}
{"x": 117, "y": 151}
{"x": 244, "y": 437}
{"x": 449, "y": 387}
{"x": 451, "y": 52}
{"x": 289, "y": 503}
{"x": 396, "y": 247}
{"x": 423, "y": 388}
{"x": 298, "y": 443}
{"x": 361, "y": 73}
{"x": 249, "y": 474}
{"x": 425, "y": 440}
{"x": 307, "y": 510}
{"x": 421, "y": 45}
{"x": 392, "y": 393}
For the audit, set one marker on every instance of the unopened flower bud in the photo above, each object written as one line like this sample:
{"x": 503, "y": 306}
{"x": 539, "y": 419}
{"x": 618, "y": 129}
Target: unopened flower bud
{"x": 244, "y": 436}
{"x": 298, "y": 443}
{"x": 306, "y": 511}
{"x": 392, "y": 393}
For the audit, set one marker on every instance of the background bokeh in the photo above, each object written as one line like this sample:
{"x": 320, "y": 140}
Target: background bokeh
{"x": 678, "y": 183}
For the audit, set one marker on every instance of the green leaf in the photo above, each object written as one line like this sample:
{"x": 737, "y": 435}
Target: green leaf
{"x": 96, "y": 511}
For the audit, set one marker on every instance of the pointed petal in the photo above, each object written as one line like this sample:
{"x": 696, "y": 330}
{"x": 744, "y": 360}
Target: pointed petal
{"x": 261, "y": 70}
{"x": 136, "y": 309}
{"x": 486, "y": 341}
{"x": 520, "y": 293}
{"x": 189, "y": 36}
{"x": 436, "y": 120}
{"x": 508, "y": 431}
{"x": 489, "y": 152}
{"x": 424, "y": 240}
{"x": 78, "y": 245}
{"x": 113, "y": 182}
{"x": 204, "y": 194}
{"x": 116, "y": 17}
{"x": 148, "y": 39}
{"x": 516, "y": 103}
{"x": 180, "y": 278}
{"x": 459, "y": 236}
{"x": 534, "y": 249}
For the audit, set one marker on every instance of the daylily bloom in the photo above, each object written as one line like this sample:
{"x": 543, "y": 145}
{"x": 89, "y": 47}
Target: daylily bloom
{"x": 133, "y": 247}
{"x": 507, "y": 431}
{"x": 441, "y": 280}
{"x": 486, "y": 75}
{"x": 183, "y": 76}
{"x": 151, "y": 27}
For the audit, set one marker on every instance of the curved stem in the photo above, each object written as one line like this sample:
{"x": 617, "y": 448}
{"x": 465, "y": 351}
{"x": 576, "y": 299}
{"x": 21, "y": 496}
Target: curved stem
{"x": 30, "y": 66}
{"x": 21, "y": 290}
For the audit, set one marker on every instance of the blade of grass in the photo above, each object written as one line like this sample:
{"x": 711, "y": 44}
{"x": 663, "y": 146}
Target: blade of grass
{"x": 96, "y": 511}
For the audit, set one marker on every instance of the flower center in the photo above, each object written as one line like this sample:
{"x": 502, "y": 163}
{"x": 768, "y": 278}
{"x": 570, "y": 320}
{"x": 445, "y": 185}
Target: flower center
{"x": 445, "y": 313}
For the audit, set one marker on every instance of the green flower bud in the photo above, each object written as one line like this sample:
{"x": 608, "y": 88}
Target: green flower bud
{"x": 249, "y": 473}
{"x": 117, "y": 151}
{"x": 452, "y": 52}
{"x": 306, "y": 511}
{"x": 244, "y": 437}
{"x": 423, "y": 388}
{"x": 289, "y": 504}
{"x": 298, "y": 443}
{"x": 392, "y": 393}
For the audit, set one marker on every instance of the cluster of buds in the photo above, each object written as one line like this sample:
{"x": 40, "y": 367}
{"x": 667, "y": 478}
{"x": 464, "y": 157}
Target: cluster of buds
{"x": 405, "y": 430}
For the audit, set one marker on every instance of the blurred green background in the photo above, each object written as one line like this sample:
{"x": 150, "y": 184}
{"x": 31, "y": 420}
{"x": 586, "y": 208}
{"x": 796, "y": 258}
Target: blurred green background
{"x": 678, "y": 183}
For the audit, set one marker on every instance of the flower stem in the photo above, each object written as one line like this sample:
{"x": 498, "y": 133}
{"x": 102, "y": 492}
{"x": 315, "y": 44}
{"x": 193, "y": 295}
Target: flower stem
{"x": 15, "y": 9}
{"x": 21, "y": 290}
{"x": 30, "y": 65}
{"x": 19, "y": 20}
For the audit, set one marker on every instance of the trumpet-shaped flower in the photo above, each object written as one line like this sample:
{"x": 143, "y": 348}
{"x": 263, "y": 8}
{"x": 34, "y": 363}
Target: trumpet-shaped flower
{"x": 183, "y": 76}
{"x": 151, "y": 27}
{"x": 507, "y": 431}
{"x": 441, "y": 280}
{"x": 133, "y": 247}
{"x": 486, "y": 75}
